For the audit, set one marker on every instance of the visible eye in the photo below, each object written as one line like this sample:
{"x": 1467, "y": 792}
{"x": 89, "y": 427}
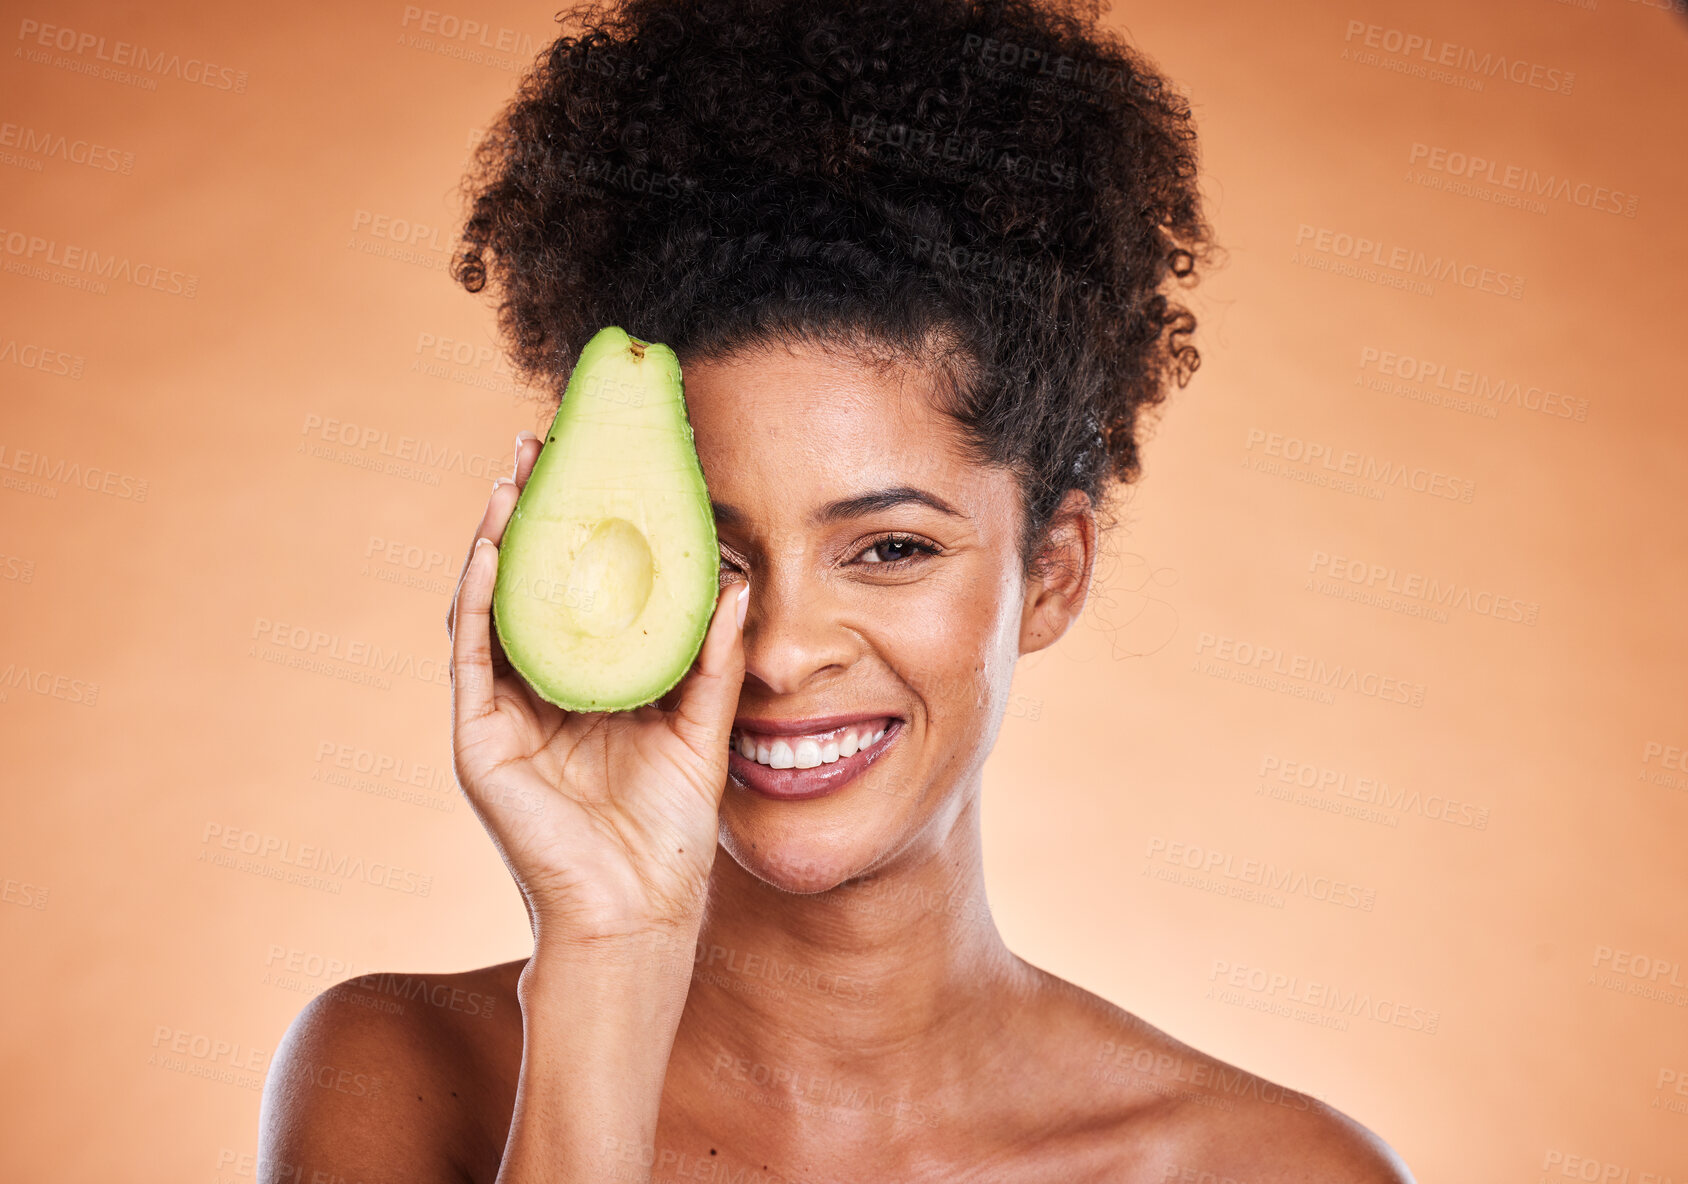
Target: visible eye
{"x": 895, "y": 550}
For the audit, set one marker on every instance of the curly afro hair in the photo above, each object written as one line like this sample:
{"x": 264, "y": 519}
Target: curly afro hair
{"x": 993, "y": 189}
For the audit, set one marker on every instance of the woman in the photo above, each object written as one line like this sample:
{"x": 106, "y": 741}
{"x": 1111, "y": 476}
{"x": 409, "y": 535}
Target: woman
{"x": 913, "y": 255}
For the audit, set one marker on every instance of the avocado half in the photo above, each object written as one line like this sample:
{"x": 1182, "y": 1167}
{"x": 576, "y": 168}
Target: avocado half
{"x": 609, "y": 568}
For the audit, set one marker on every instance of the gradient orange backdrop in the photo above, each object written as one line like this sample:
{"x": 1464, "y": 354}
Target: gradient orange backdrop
{"x": 1396, "y": 605}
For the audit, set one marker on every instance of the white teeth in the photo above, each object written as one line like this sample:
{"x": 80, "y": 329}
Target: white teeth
{"x": 808, "y": 752}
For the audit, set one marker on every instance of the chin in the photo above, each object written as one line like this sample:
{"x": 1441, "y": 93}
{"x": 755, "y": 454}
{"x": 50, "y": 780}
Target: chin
{"x": 794, "y": 849}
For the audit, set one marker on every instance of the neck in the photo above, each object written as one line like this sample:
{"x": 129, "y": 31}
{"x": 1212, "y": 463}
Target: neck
{"x": 882, "y": 978}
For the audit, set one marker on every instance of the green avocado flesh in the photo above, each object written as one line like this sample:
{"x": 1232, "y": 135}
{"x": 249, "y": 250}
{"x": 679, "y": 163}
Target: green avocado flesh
{"x": 609, "y": 568}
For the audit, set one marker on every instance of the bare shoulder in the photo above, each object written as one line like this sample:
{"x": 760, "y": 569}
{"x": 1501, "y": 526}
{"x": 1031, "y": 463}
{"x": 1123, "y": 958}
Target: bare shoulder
{"x": 394, "y": 1076}
{"x": 1275, "y": 1136}
{"x": 1157, "y": 1109}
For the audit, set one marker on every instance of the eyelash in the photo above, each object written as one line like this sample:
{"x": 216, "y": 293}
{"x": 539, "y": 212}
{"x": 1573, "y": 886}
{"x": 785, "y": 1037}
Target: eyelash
{"x": 907, "y": 540}
{"x": 920, "y": 548}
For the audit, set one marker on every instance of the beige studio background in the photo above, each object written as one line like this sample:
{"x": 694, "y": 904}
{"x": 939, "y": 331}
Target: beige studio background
{"x": 1455, "y": 688}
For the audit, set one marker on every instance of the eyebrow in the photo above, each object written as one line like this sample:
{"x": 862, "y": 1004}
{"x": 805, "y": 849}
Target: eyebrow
{"x": 853, "y": 507}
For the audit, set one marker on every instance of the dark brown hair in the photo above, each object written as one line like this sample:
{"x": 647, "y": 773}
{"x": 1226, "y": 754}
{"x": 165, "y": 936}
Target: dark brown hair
{"x": 996, "y": 189}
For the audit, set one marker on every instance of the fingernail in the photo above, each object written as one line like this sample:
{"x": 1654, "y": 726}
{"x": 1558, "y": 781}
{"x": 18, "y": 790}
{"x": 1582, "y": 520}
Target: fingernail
{"x": 502, "y": 481}
{"x": 743, "y": 604}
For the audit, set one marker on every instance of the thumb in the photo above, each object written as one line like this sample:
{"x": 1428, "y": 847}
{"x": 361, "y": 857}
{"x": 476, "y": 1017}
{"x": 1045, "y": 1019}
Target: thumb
{"x": 709, "y": 696}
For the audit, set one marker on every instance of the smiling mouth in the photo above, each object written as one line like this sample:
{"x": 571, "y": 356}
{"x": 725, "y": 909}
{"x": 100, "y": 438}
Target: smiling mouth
{"x": 791, "y": 766}
{"x": 809, "y": 749}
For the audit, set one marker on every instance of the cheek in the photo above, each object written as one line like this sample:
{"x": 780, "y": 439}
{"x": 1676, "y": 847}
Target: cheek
{"x": 948, "y": 643}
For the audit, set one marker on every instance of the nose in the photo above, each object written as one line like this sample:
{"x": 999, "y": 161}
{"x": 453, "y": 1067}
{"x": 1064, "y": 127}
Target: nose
{"x": 794, "y": 639}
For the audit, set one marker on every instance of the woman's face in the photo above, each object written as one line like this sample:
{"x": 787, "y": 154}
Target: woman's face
{"x": 911, "y": 607}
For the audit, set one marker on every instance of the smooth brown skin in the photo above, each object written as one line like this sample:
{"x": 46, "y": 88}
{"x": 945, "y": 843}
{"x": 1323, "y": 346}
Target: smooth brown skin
{"x": 852, "y": 1013}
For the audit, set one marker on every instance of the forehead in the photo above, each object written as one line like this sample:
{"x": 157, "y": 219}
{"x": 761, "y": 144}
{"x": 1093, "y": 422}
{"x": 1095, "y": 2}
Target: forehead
{"x": 817, "y": 424}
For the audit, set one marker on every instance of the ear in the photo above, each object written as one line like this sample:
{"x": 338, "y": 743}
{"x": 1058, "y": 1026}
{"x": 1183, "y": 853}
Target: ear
{"x": 1060, "y": 580}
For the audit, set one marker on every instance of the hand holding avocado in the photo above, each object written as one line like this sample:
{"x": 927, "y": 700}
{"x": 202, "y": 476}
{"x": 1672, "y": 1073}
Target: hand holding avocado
{"x": 603, "y": 578}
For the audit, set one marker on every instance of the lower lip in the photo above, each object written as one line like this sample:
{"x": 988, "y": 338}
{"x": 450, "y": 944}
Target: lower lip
{"x": 794, "y": 785}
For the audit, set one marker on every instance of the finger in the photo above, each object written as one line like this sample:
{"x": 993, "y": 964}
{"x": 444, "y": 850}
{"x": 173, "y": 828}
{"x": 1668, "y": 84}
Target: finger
{"x": 497, "y": 519}
{"x": 709, "y": 695}
{"x": 497, "y": 515}
{"x": 494, "y": 519}
{"x": 471, "y": 642}
{"x": 527, "y": 452}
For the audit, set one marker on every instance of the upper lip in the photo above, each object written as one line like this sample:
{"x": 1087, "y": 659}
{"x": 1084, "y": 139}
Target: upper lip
{"x": 804, "y": 727}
